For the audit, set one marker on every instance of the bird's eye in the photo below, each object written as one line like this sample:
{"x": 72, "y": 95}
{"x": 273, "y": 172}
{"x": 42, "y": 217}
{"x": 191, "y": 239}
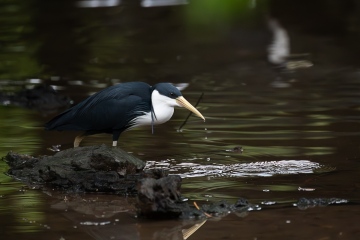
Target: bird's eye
{"x": 172, "y": 94}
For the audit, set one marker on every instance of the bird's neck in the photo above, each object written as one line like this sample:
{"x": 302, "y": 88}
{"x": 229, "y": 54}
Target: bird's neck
{"x": 163, "y": 107}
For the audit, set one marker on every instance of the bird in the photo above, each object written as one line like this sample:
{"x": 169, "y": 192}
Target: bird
{"x": 121, "y": 107}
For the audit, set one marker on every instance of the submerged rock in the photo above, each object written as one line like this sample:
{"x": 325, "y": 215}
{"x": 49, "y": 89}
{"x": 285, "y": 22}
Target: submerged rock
{"x": 42, "y": 98}
{"x": 112, "y": 170}
{"x": 305, "y": 203}
{"x": 89, "y": 169}
{"x": 161, "y": 198}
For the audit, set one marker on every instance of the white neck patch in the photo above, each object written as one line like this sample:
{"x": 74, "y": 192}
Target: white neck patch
{"x": 163, "y": 110}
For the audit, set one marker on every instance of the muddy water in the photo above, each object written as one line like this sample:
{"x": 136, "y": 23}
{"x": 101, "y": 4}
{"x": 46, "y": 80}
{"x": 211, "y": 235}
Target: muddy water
{"x": 272, "y": 135}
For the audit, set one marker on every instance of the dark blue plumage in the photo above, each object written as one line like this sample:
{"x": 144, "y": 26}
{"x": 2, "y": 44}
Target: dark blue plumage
{"x": 120, "y": 107}
{"x": 102, "y": 111}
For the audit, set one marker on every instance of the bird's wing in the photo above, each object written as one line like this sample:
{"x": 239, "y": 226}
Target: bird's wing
{"x": 111, "y": 114}
{"x": 110, "y": 108}
{"x": 117, "y": 92}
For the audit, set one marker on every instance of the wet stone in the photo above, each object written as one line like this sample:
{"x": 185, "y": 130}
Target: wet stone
{"x": 42, "y": 98}
{"x": 161, "y": 198}
{"x": 223, "y": 207}
{"x": 83, "y": 169}
{"x": 106, "y": 169}
{"x": 305, "y": 203}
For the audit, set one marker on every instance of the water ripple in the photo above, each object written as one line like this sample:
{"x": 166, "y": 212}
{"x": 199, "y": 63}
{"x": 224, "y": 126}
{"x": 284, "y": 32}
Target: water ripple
{"x": 261, "y": 169}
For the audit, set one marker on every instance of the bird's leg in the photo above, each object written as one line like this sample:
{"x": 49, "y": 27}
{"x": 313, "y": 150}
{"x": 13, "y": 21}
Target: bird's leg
{"x": 78, "y": 139}
{"x": 115, "y": 137}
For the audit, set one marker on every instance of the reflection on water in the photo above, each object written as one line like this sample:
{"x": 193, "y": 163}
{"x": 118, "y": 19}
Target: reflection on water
{"x": 22, "y": 211}
{"x": 19, "y": 131}
{"x": 98, "y": 3}
{"x": 260, "y": 169}
{"x": 218, "y": 48}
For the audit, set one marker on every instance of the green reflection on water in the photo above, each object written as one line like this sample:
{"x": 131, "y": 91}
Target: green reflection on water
{"x": 24, "y": 207}
{"x": 18, "y": 131}
{"x": 256, "y": 153}
{"x": 18, "y": 134}
{"x": 6, "y": 186}
{"x": 224, "y": 189}
{"x": 17, "y": 53}
{"x": 279, "y": 188}
{"x": 288, "y": 151}
{"x": 198, "y": 189}
{"x": 318, "y": 124}
{"x": 220, "y": 14}
{"x": 107, "y": 52}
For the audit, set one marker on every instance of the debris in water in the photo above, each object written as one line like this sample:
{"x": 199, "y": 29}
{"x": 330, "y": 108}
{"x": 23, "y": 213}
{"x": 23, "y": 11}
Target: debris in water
{"x": 54, "y": 148}
{"x": 305, "y": 203}
{"x": 306, "y": 189}
{"x": 268, "y": 202}
{"x": 89, "y": 223}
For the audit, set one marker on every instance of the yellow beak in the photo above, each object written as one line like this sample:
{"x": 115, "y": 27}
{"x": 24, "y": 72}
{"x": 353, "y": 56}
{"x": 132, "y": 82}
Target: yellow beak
{"x": 183, "y": 102}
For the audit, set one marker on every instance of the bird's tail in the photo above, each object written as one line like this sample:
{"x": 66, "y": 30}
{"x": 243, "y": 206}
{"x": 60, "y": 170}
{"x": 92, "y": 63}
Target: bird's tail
{"x": 60, "y": 122}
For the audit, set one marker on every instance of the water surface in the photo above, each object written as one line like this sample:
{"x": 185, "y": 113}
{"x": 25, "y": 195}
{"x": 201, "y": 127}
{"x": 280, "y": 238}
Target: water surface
{"x": 271, "y": 135}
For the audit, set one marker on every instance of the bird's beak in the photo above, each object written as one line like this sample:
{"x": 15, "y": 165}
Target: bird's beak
{"x": 184, "y": 103}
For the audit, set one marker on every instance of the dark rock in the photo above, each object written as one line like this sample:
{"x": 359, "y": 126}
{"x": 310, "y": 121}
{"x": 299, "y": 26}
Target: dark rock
{"x": 218, "y": 208}
{"x": 111, "y": 170}
{"x": 305, "y": 203}
{"x": 241, "y": 202}
{"x": 93, "y": 169}
{"x": 42, "y": 98}
{"x": 160, "y": 198}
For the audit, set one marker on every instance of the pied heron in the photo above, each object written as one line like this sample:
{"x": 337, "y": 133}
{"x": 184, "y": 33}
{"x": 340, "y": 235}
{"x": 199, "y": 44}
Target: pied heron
{"x": 121, "y": 107}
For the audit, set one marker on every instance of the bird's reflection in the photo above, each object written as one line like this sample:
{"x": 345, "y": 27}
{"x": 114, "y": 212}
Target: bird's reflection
{"x": 279, "y": 49}
{"x": 114, "y": 217}
{"x": 279, "y": 53}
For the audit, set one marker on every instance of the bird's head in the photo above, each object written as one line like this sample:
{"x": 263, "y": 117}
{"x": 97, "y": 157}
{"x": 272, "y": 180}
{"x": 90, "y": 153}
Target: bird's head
{"x": 171, "y": 96}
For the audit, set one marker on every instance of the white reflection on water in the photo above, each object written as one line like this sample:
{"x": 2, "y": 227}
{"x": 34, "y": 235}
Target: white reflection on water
{"x": 279, "y": 49}
{"x": 98, "y": 3}
{"x": 260, "y": 169}
{"x": 158, "y": 3}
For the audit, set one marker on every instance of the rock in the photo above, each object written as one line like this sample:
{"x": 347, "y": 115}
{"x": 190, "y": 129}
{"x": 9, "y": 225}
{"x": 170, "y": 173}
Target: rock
{"x": 161, "y": 198}
{"x": 42, "y": 98}
{"x": 222, "y": 207}
{"x": 305, "y": 203}
{"x": 112, "y": 170}
{"x": 218, "y": 208}
{"x": 90, "y": 169}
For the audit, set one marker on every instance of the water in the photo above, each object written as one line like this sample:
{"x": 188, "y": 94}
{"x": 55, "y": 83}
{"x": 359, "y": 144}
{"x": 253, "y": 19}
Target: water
{"x": 271, "y": 135}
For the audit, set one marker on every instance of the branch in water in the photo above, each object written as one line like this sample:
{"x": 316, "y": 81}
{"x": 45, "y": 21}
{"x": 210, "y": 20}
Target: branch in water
{"x": 197, "y": 103}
